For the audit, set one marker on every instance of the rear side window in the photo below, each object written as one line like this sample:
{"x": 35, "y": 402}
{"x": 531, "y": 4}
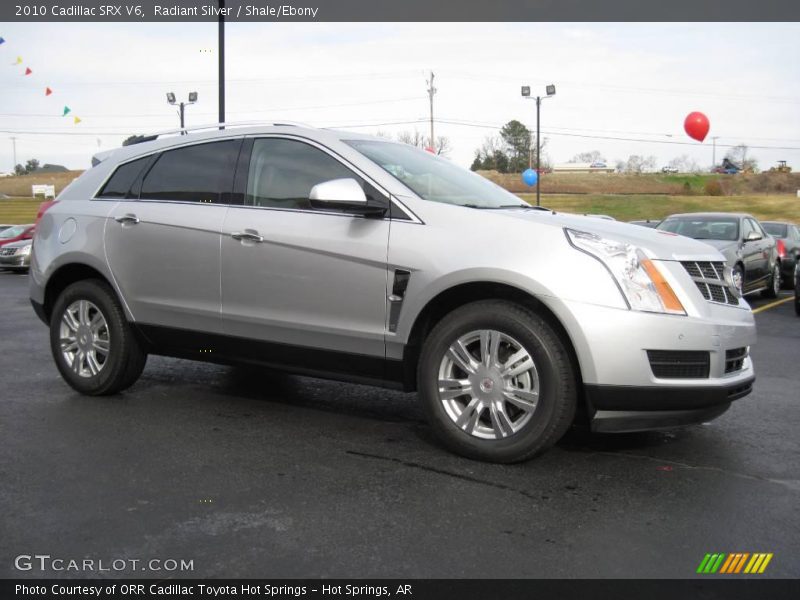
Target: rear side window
{"x": 121, "y": 182}
{"x": 199, "y": 173}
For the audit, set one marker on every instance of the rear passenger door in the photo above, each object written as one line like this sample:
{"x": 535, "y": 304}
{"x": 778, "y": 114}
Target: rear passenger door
{"x": 162, "y": 238}
{"x": 295, "y": 276}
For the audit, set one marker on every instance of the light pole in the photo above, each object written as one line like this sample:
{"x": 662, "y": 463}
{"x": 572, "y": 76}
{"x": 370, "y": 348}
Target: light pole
{"x": 550, "y": 90}
{"x": 14, "y": 146}
{"x": 182, "y": 105}
{"x": 221, "y": 65}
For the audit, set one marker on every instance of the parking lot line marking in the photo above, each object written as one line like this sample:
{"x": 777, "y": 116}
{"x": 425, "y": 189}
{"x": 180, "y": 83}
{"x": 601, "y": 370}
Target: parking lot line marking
{"x": 773, "y": 304}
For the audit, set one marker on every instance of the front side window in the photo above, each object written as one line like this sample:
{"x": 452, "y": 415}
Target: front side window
{"x": 199, "y": 173}
{"x": 434, "y": 178}
{"x": 748, "y": 228}
{"x": 282, "y": 173}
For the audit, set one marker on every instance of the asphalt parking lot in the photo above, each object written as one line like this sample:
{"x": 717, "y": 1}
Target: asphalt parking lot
{"x": 265, "y": 475}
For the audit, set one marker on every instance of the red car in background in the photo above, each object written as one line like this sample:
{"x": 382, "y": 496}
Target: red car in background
{"x": 17, "y": 233}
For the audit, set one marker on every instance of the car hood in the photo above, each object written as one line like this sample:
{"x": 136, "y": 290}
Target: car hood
{"x": 655, "y": 243}
{"x": 18, "y": 244}
{"x": 721, "y": 245}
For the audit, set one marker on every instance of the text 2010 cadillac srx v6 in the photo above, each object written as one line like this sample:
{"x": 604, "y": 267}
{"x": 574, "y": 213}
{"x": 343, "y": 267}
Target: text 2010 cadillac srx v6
{"x": 344, "y": 256}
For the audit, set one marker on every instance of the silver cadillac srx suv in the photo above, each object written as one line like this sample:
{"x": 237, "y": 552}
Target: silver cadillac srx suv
{"x": 344, "y": 256}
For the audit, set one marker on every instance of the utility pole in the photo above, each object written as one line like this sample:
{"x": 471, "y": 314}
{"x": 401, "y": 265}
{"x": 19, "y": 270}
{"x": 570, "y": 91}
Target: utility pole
{"x": 14, "y": 145}
{"x": 431, "y": 93}
{"x": 538, "y": 150}
{"x": 221, "y": 75}
{"x": 714, "y": 152}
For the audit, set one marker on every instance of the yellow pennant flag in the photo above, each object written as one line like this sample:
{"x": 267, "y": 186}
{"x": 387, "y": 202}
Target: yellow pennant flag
{"x": 77, "y": 120}
{"x": 18, "y": 61}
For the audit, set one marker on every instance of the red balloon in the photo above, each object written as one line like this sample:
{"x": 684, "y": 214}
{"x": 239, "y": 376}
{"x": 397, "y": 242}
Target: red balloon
{"x": 697, "y": 126}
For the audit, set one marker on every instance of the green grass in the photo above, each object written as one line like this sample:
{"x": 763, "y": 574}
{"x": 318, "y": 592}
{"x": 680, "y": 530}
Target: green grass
{"x": 632, "y": 207}
{"x": 621, "y": 207}
{"x": 19, "y": 210}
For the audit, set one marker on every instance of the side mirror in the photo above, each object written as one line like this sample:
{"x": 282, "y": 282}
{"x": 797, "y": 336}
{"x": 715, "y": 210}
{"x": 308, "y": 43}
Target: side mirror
{"x": 753, "y": 236}
{"x": 343, "y": 195}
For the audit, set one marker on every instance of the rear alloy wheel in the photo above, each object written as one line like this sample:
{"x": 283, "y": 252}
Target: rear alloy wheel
{"x": 496, "y": 382}
{"x": 93, "y": 345}
{"x": 774, "y": 283}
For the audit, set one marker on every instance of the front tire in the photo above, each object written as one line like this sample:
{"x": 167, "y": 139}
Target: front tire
{"x": 496, "y": 382}
{"x": 93, "y": 345}
{"x": 774, "y": 283}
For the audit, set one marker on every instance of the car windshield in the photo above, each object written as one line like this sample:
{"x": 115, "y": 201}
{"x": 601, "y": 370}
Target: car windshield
{"x": 775, "y": 229}
{"x": 434, "y": 178}
{"x": 12, "y": 232}
{"x": 703, "y": 228}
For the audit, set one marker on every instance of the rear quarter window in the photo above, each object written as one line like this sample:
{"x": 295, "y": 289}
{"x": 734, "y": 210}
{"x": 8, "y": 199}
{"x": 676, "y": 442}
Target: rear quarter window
{"x": 120, "y": 184}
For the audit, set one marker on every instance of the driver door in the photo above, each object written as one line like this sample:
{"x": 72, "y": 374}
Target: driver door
{"x": 302, "y": 281}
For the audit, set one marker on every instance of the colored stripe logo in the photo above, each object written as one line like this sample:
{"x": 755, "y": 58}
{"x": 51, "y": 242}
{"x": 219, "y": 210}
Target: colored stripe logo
{"x": 735, "y": 563}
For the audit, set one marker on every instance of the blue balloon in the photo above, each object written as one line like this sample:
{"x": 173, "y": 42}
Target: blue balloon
{"x": 530, "y": 177}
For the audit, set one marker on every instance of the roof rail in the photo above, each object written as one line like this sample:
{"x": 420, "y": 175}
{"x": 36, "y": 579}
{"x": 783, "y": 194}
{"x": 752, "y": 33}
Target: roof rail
{"x": 228, "y": 125}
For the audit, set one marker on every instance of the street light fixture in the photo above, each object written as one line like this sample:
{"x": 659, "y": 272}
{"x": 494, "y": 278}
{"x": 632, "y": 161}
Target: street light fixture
{"x": 182, "y": 105}
{"x": 550, "y": 90}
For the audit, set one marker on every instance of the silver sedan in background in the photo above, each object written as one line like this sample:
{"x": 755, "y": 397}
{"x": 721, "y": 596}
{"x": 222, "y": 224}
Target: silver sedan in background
{"x": 16, "y": 256}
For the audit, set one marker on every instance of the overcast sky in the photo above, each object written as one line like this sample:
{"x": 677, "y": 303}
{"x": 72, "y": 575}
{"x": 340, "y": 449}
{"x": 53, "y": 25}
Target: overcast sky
{"x": 613, "y": 81}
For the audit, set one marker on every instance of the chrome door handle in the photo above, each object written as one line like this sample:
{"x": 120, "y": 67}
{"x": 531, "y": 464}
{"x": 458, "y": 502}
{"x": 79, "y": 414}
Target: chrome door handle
{"x": 129, "y": 218}
{"x": 247, "y": 235}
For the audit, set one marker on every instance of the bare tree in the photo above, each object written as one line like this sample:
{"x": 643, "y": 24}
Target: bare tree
{"x": 443, "y": 146}
{"x": 640, "y": 164}
{"x": 738, "y": 156}
{"x": 684, "y": 164}
{"x": 588, "y": 157}
{"x": 412, "y": 138}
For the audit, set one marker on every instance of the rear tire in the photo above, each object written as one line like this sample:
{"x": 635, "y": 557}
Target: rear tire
{"x": 496, "y": 382}
{"x": 93, "y": 345}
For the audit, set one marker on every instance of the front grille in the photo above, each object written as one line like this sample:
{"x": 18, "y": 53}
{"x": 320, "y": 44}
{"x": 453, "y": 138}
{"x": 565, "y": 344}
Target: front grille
{"x": 7, "y": 251}
{"x": 709, "y": 277}
{"x": 734, "y": 359}
{"x": 679, "y": 364}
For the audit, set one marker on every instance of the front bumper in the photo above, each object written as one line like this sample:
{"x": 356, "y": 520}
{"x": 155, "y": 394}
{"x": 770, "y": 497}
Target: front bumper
{"x": 614, "y": 408}
{"x": 622, "y": 391}
{"x": 15, "y": 261}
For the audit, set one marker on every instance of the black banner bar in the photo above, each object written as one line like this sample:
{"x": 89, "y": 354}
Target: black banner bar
{"x": 741, "y": 588}
{"x": 400, "y": 10}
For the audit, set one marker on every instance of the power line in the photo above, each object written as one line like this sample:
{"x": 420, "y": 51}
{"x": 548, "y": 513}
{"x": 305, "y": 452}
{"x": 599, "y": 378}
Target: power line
{"x": 479, "y": 125}
{"x": 238, "y": 112}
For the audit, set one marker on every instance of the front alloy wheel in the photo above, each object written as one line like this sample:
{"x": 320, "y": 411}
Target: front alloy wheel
{"x": 488, "y": 384}
{"x": 496, "y": 382}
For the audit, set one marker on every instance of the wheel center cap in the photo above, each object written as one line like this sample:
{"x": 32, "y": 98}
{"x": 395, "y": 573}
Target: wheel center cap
{"x": 487, "y": 385}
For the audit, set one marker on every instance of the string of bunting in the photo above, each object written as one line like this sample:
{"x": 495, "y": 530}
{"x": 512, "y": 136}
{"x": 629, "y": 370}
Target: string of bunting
{"x": 48, "y": 91}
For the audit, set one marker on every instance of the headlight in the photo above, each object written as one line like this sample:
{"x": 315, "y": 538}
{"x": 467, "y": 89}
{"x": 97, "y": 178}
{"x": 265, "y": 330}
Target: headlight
{"x": 639, "y": 280}
{"x": 26, "y": 249}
